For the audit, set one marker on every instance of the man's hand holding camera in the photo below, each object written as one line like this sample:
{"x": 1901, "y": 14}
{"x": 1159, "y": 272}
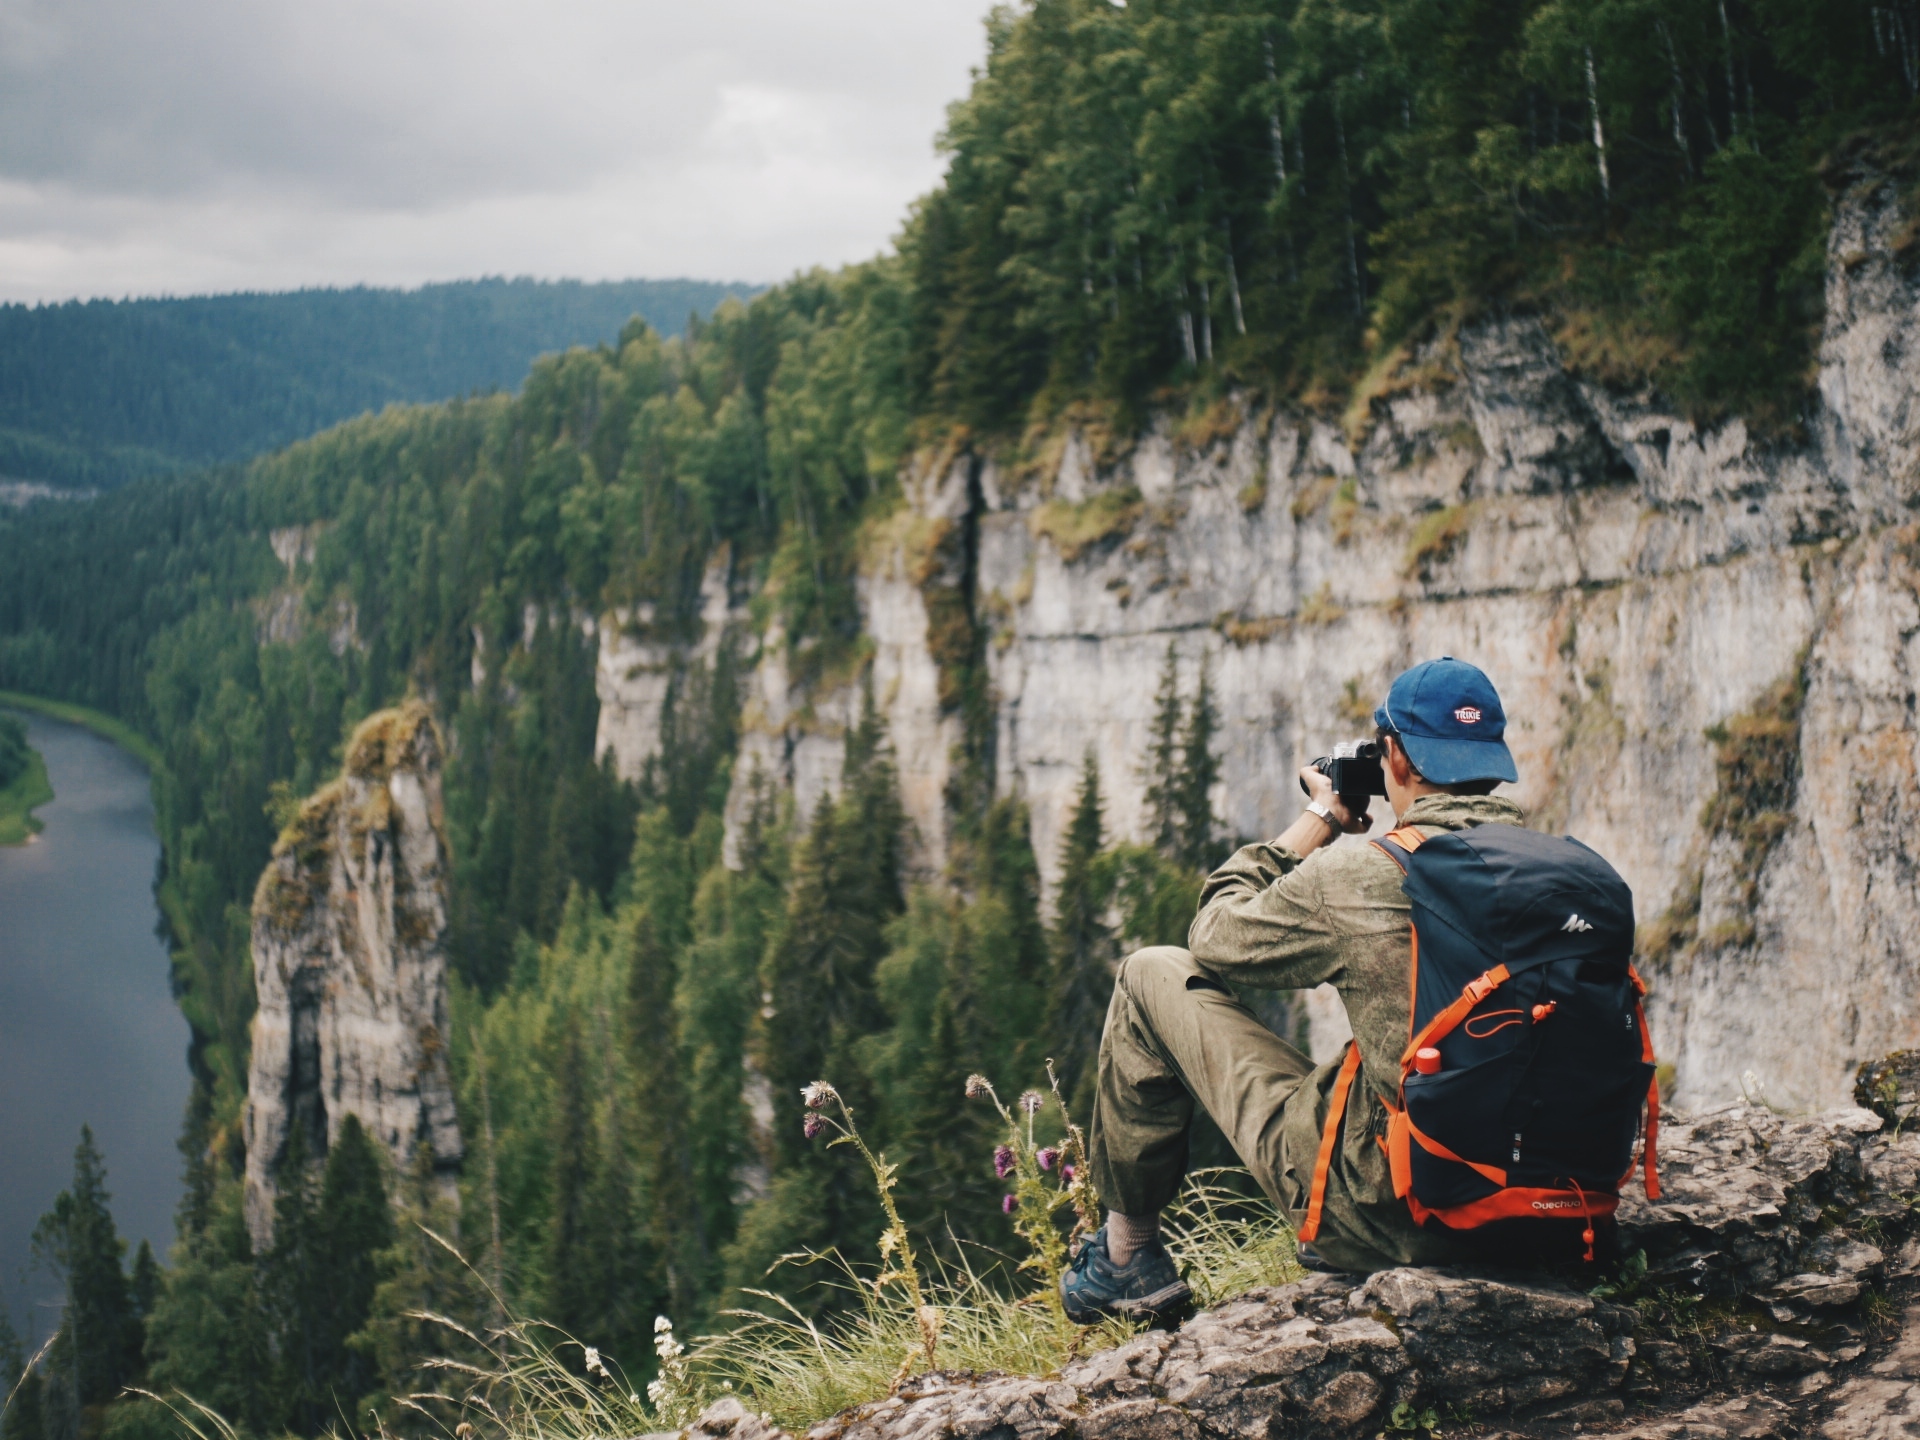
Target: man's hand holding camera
{"x": 1327, "y": 817}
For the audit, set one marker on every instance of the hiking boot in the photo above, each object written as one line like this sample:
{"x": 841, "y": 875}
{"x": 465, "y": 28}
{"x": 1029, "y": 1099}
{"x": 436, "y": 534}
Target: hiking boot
{"x": 1147, "y": 1287}
{"x": 1311, "y": 1259}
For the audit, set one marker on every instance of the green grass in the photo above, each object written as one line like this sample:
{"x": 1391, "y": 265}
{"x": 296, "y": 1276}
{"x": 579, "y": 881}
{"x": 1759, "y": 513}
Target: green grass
{"x": 102, "y": 724}
{"x": 800, "y": 1371}
{"x": 29, "y": 790}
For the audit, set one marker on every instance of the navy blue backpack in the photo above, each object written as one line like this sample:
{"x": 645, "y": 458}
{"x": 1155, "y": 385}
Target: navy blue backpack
{"x": 1528, "y": 1059}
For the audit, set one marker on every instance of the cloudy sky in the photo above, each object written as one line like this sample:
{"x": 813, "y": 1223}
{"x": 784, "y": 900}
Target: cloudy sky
{"x": 183, "y": 146}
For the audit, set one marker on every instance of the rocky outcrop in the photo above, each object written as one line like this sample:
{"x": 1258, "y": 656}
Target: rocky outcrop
{"x": 350, "y": 967}
{"x": 1774, "y": 1303}
{"x": 1704, "y": 636}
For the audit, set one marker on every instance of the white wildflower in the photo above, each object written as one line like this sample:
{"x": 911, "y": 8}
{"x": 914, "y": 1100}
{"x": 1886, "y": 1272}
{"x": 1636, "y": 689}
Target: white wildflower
{"x": 818, "y": 1095}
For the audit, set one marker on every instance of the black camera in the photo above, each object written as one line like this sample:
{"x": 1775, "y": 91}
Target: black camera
{"x": 1354, "y": 769}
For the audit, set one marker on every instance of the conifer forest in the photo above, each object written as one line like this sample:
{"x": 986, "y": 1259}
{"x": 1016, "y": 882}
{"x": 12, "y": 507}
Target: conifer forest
{"x": 1147, "y": 207}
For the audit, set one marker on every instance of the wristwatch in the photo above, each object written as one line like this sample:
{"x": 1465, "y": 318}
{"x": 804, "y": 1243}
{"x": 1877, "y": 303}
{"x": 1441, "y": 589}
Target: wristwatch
{"x": 1325, "y": 812}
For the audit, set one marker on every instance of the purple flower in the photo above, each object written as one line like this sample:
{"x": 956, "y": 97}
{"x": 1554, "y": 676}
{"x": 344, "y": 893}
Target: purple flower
{"x": 1066, "y": 1173}
{"x": 1046, "y": 1157}
{"x": 1003, "y": 1161}
{"x": 813, "y": 1125}
{"x": 1007, "y": 1202}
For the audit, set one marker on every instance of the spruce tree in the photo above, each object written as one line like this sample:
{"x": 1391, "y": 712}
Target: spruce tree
{"x": 355, "y": 1228}
{"x": 1162, "y": 770}
{"x": 20, "y": 1391}
{"x": 295, "y": 1280}
{"x": 574, "y": 1291}
{"x": 671, "y": 1216}
{"x": 143, "y": 1287}
{"x": 330, "y": 1224}
{"x": 1084, "y": 950}
{"x": 213, "y": 1331}
{"x": 821, "y": 1007}
{"x": 98, "y": 1348}
{"x": 1199, "y": 772}
{"x": 419, "y": 1276}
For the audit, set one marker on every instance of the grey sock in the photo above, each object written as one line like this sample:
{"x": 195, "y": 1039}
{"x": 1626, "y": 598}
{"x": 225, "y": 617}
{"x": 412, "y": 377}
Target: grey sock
{"x": 1127, "y": 1233}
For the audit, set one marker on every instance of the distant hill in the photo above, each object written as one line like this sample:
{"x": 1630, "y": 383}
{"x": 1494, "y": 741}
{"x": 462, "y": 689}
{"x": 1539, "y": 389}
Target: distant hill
{"x": 94, "y": 393}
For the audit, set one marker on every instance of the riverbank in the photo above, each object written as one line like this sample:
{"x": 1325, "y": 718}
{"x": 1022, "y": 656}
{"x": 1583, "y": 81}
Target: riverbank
{"x": 98, "y": 721}
{"x": 18, "y": 801}
{"x": 90, "y": 1033}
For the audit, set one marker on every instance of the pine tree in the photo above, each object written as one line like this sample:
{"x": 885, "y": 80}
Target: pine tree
{"x": 821, "y": 1007}
{"x": 213, "y": 1329}
{"x": 355, "y": 1228}
{"x": 20, "y": 1391}
{"x": 1084, "y": 950}
{"x": 143, "y": 1288}
{"x": 419, "y": 1276}
{"x": 574, "y": 1292}
{"x": 672, "y": 1218}
{"x": 98, "y": 1348}
{"x": 1199, "y": 772}
{"x": 1162, "y": 771}
{"x": 330, "y": 1224}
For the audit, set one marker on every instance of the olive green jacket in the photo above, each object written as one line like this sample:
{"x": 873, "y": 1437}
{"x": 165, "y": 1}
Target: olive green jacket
{"x": 1271, "y": 921}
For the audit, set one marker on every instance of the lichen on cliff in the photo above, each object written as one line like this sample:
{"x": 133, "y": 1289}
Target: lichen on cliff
{"x": 349, "y": 961}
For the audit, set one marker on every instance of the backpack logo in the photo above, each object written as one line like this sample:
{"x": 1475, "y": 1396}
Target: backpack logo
{"x": 1576, "y": 926}
{"x": 1468, "y": 714}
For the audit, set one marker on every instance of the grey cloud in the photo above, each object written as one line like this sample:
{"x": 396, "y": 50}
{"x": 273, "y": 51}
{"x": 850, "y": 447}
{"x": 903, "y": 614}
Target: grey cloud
{"x": 337, "y": 140}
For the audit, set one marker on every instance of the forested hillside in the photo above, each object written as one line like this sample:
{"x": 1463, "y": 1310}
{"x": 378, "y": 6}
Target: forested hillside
{"x": 93, "y": 393}
{"x": 1147, "y": 206}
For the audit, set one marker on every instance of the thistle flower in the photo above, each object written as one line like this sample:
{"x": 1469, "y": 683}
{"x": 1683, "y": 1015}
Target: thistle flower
{"x": 1046, "y": 1157}
{"x": 1066, "y": 1173}
{"x": 1007, "y": 1202}
{"x": 1031, "y": 1101}
{"x": 818, "y": 1095}
{"x": 813, "y": 1125}
{"x": 1003, "y": 1161}
{"x": 977, "y": 1086}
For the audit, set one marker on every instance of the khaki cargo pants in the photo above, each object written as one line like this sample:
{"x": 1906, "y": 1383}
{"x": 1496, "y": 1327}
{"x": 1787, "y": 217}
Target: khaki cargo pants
{"x": 1175, "y": 1036}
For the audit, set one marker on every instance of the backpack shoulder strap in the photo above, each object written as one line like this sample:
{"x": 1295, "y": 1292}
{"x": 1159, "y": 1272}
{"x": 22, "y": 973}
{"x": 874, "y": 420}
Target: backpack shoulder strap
{"x": 1397, "y": 845}
{"x": 1329, "y": 1139}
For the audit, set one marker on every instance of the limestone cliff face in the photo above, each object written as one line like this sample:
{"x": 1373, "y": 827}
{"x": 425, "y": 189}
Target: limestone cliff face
{"x": 1630, "y": 579}
{"x": 349, "y": 959}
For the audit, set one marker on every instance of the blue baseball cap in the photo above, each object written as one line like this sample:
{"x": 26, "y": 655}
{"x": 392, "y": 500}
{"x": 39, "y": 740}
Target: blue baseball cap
{"x": 1449, "y": 717}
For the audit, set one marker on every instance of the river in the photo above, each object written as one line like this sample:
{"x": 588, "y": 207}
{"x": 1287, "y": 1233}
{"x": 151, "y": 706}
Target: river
{"x": 89, "y": 1032}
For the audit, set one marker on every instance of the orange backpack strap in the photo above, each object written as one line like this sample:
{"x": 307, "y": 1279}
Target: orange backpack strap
{"x": 1407, "y": 838}
{"x": 1442, "y": 1024}
{"x": 1649, "y": 1153}
{"x": 1329, "y": 1139}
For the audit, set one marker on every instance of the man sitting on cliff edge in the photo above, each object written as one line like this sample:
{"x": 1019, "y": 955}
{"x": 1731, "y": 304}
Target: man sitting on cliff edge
{"x": 1286, "y": 915}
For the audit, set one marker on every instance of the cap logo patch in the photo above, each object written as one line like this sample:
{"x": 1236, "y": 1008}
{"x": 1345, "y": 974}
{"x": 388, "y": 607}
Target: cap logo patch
{"x": 1468, "y": 714}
